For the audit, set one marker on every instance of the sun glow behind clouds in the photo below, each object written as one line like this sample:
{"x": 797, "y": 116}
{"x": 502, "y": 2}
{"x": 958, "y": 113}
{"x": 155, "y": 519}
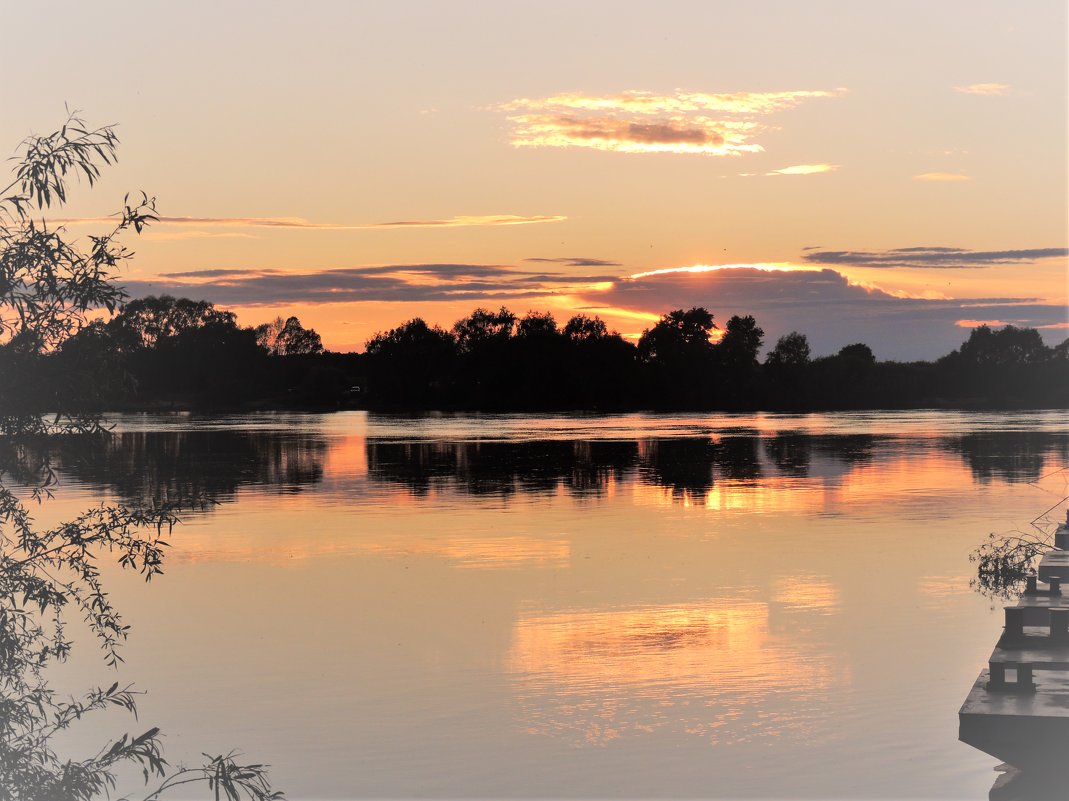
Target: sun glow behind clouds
{"x": 768, "y": 267}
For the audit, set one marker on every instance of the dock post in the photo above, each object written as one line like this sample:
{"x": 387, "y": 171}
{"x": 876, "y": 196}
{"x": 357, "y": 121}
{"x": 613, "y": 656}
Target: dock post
{"x": 1061, "y": 537}
{"x": 1014, "y": 624}
{"x": 1059, "y": 624}
{"x": 998, "y": 676}
{"x": 1024, "y": 677}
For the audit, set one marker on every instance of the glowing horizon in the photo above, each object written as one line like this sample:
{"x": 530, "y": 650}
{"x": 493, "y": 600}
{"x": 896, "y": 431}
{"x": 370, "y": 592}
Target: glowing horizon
{"x": 588, "y": 172}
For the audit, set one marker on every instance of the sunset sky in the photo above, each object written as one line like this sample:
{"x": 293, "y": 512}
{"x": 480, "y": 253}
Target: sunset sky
{"x": 892, "y": 173}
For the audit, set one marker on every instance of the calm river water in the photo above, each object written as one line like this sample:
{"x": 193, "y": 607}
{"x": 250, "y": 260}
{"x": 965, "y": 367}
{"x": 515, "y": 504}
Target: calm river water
{"x": 729, "y": 606}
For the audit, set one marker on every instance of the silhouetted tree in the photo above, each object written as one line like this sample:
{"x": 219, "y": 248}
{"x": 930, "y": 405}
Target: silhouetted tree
{"x": 677, "y": 336}
{"x": 1008, "y": 366}
{"x": 1008, "y": 345}
{"x": 288, "y": 338}
{"x": 858, "y": 353}
{"x": 581, "y": 328}
{"x": 216, "y": 363}
{"x": 792, "y": 350}
{"x": 144, "y": 322}
{"x": 410, "y": 366}
{"x": 534, "y": 364}
{"x": 783, "y": 383}
{"x": 486, "y": 375}
{"x": 678, "y": 358}
{"x": 537, "y": 324}
{"x": 600, "y": 368}
{"x": 482, "y": 327}
{"x": 736, "y": 357}
{"x": 741, "y": 343}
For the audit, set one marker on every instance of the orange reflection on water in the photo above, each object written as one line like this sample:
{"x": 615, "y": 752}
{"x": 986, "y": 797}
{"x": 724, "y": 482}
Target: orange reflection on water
{"x": 809, "y": 594}
{"x": 286, "y": 539}
{"x": 712, "y": 669}
{"x": 893, "y": 480}
{"x": 347, "y": 456}
{"x": 773, "y": 494}
{"x": 481, "y": 552}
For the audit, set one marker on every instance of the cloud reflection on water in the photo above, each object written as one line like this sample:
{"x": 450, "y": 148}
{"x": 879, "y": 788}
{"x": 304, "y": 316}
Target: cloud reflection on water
{"x": 714, "y": 670}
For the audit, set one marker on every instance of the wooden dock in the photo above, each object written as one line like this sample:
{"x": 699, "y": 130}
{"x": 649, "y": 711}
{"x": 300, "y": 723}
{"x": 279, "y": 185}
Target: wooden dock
{"x": 1018, "y": 709}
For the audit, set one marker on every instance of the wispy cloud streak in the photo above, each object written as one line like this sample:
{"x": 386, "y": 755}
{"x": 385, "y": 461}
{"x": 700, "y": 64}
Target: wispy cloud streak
{"x": 941, "y": 176}
{"x": 302, "y": 224}
{"x": 984, "y": 89}
{"x": 391, "y": 282}
{"x": 575, "y": 261}
{"x": 797, "y": 169}
{"x": 680, "y": 102}
{"x": 933, "y": 257}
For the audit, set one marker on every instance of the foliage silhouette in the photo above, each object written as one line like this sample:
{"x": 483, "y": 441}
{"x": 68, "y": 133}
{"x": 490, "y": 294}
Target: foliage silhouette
{"x": 288, "y": 338}
{"x": 679, "y": 358}
{"x": 48, "y": 286}
{"x": 179, "y": 353}
{"x": 412, "y": 364}
{"x": 741, "y": 343}
{"x": 1004, "y": 561}
{"x": 792, "y": 350}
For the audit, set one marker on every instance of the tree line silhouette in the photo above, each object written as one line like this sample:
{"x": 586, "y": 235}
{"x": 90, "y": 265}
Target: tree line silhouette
{"x": 160, "y": 352}
{"x": 496, "y": 361}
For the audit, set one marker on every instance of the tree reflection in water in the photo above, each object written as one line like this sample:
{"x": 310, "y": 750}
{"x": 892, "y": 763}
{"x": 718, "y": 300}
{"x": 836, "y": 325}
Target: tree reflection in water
{"x": 1015, "y": 456}
{"x": 686, "y": 467}
{"x": 191, "y": 468}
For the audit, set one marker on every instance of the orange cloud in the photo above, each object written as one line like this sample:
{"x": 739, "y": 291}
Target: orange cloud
{"x": 642, "y": 122}
{"x": 676, "y": 135}
{"x": 941, "y": 176}
{"x": 469, "y": 222}
{"x": 984, "y": 89}
{"x": 1001, "y": 323}
{"x": 706, "y": 268}
{"x": 805, "y": 169}
{"x": 978, "y": 323}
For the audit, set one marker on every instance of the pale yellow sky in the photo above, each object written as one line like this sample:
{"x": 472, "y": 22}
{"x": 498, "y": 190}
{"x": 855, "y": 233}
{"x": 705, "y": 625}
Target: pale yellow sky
{"x": 539, "y": 156}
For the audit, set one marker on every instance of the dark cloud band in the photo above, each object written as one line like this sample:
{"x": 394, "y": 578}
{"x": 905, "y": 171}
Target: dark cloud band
{"x": 394, "y": 282}
{"x": 933, "y": 257}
